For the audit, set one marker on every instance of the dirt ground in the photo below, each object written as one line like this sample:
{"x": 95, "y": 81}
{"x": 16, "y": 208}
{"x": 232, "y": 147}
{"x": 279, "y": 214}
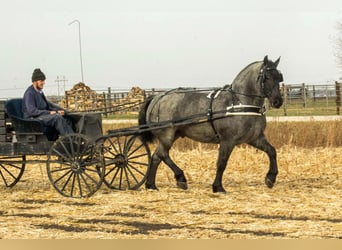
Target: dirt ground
{"x": 305, "y": 202}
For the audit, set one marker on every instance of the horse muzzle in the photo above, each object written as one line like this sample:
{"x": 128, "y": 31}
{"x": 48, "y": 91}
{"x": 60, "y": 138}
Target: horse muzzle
{"x": 277, "y": 102}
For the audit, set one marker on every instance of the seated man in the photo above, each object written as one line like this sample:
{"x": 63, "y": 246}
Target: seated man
{"x": 35, "y": 105}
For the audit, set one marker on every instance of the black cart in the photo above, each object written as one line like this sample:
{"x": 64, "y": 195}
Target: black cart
{"x": 77, "y": 163}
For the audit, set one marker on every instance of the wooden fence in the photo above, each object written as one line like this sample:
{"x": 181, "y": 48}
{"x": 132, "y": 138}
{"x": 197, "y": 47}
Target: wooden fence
{"x": 303, "y": 99}
{"x": 299, "y": 99}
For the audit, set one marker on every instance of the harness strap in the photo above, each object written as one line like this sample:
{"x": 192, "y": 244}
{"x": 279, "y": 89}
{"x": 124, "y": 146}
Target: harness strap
{"x": 212, "y": 96}
{"x": 248, "y": 109}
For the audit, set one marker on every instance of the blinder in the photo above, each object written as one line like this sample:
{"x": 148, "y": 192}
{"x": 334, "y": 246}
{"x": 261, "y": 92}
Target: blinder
{"x": 281, "y": 78}
{"x": 262, "y": 77}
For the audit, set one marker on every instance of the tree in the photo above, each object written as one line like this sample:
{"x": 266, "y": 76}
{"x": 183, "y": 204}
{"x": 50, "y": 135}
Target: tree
{"x": 338, "y": 53}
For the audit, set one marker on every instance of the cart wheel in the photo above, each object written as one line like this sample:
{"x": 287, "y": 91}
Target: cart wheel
{"x": 75, "y": 166}
{"x": 11, "y": 169}
{"x": 127, "y": 160}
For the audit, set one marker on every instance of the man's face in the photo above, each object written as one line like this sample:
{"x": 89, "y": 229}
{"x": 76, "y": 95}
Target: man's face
{"x": 39, "y": 84}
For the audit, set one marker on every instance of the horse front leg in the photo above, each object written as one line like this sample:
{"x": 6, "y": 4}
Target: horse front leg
{"x": 262, "y": 144}
{"x": 224, "y": 152}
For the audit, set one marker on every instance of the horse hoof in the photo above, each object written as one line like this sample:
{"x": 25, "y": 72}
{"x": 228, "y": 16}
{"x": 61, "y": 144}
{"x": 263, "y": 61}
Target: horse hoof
{"x": 269, "y": 183}
{"x": 150, "y": 186}
{"x": 219, "y": 190}
{"x": 182, "y": 185}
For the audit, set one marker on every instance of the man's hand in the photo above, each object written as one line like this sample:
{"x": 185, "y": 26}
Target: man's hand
{"x": 60, "y": 112}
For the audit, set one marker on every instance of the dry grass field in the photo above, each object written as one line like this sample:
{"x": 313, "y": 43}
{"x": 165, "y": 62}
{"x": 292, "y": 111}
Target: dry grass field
{"x": 305, "y": 202}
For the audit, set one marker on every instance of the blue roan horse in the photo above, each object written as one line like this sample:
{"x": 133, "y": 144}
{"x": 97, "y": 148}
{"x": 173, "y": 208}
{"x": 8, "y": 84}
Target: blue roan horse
{"x": 228, "y": 116}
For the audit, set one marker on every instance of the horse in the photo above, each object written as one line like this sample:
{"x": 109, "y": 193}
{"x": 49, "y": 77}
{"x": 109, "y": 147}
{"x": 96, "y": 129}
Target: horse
{"x": 228, "y": 116}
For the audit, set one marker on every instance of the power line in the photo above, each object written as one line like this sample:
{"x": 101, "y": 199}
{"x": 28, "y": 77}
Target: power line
{"x": 60, "y": 84}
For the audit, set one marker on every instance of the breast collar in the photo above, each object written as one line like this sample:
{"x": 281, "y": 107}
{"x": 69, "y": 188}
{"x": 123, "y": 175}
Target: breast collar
{"x": 237, "y": 108}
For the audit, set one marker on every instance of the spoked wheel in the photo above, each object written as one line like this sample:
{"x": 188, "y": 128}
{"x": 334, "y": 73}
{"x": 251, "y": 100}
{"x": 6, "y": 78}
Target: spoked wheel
{"x": 127, "y": 160}
{"x": 75, "y": 166}
{"x": 11, "y": 169}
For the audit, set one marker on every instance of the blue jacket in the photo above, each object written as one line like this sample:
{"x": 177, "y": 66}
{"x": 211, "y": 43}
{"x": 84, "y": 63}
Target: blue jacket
{"x": 35, "y": 104}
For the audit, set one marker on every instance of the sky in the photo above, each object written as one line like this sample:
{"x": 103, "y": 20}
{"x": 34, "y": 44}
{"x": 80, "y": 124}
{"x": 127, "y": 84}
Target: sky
{"x": 164, "y": 44}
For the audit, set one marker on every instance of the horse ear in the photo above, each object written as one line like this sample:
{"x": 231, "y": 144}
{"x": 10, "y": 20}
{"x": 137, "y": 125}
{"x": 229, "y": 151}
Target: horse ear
{"x": 265, "y": 60}
{"x": 277, "y": 62}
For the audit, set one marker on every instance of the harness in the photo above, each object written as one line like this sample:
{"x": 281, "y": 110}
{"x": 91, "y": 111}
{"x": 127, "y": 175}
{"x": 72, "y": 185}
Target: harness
{"x": 237, "y": 108}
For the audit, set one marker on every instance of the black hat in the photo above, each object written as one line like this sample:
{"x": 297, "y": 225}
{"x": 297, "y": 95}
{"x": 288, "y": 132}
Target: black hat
{"x": 38, "y": 75}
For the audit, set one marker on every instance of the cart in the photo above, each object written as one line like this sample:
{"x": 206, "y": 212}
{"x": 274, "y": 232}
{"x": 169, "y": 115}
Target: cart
{"x": 76, "y": 163}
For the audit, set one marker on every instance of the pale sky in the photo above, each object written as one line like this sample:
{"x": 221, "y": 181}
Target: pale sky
{"x": 164, "y": 44}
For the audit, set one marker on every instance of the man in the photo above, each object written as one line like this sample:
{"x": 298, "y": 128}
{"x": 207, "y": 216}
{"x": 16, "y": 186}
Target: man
{"x": 35, "y": 105}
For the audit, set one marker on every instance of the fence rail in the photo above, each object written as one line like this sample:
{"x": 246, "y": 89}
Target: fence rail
{"x": 299, "y": 99}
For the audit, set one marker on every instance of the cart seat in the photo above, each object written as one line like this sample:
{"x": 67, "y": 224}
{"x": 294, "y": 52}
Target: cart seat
{"x": 26, "y": 125}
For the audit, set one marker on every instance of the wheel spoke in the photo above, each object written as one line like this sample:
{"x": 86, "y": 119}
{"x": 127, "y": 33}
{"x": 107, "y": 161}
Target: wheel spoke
{"x": 7, "y": 171}
{"x": 4, "y": 179}
{"x": 114, "y": 147}
{"x": 135, "y": 150}
{"x": 79, "y": 184}
{"x": 72, "y": 185}
{"x": 62, "y": 177}
{"x": 127, "y": 179}
{"x": 137, "y": 170}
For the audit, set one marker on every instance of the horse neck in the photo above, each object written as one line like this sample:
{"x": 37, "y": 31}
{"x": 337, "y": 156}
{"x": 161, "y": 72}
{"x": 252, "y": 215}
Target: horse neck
{"x": 247, "y": 85}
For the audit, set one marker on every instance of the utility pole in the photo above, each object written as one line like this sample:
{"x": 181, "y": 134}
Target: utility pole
{"x": 80, "y": 45}
{"x": 60, "y": 81}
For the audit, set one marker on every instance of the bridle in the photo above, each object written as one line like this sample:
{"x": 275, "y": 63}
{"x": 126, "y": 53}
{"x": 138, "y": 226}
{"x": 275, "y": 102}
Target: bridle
{"x": 262, "y": 78}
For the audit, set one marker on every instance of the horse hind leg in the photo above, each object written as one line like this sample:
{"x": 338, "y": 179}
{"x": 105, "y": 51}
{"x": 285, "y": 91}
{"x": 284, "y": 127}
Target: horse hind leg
{"x": 179, "y": 174}
{"x": 162, "y": 154}
{"x": 151, "y": 174}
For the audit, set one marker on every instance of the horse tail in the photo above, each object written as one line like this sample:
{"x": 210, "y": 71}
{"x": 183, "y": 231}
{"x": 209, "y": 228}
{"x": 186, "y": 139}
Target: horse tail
{"x": 146, "y": 136}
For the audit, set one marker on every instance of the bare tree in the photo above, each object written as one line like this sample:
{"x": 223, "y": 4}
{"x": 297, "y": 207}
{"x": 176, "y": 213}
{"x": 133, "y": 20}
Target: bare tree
{"x": 338, "y": 48}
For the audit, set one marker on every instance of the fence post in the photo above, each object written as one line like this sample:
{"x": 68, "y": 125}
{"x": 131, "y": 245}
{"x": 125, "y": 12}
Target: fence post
{"x": 304, "y": 95}
{"x": 109, "y": 101}
{"x": 338, "y": 97}
{"x": 285, "y": 98}
{"x": 105, "y": 104}
{"x": 66, "y": 100}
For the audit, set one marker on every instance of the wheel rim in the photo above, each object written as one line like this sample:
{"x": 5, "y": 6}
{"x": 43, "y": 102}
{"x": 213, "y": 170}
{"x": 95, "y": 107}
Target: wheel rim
{"x": 75, "y": 166}
{"x": 11, "y": 169}
{"x": 127, "y": 160}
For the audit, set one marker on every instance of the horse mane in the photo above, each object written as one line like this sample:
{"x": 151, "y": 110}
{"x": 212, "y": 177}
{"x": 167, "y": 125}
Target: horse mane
{"x": 245, "y": 70}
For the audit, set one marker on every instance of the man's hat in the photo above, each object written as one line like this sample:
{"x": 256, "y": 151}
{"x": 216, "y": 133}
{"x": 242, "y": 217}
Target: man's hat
{"x": 38, "y": 75}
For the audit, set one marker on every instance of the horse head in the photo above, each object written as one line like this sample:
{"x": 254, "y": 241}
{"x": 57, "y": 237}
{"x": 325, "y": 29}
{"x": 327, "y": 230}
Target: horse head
{"x": 270, "y": 77}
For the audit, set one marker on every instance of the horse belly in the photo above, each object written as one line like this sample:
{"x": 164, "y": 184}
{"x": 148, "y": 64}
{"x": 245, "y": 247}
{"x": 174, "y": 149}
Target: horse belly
{"x": 200, "y": 132}
{"x": 240, "y": 129}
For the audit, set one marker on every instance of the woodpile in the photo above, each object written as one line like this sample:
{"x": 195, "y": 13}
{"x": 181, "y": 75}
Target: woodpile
{"x": 130, "y": 103}
{"x": 82, "y": 98}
